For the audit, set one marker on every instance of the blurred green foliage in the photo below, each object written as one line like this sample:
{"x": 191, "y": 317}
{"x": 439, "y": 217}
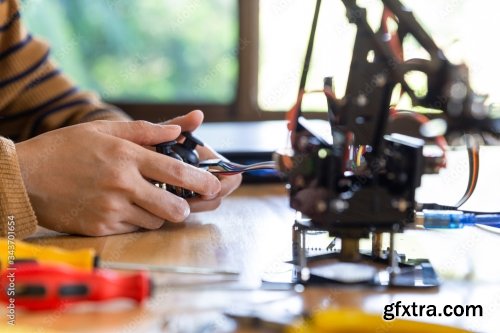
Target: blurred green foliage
{"x": 171, "y": 51}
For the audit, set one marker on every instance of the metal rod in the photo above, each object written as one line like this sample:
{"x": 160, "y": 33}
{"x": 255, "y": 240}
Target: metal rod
{"x": 304, "y": 271}
{"x": 393, "y": 261}
{"x": 166, "y": 268}
{"x": 310, "y": 46}
{"x": 350, "y": 250}
{"x": 295, "y": 242}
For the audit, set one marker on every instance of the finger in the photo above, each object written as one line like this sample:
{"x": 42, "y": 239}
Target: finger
{"x": 142, "y": 218}
{"x": 168, "y": 170}
{"x": 206, "y": 153}
{"x": 162, "y": 204}
{"x": 139, "y": 131}
{"x": 228, "y": 185}
{"x": 199, "y": 205}
{"x": 188, "y": 122}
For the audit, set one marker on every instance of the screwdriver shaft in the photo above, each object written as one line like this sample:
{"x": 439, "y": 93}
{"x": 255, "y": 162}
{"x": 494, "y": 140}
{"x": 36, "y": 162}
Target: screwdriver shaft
{"x": 166, "y": 268}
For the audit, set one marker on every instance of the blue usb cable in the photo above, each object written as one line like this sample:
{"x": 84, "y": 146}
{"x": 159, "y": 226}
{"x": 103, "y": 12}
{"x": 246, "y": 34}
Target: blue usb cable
{"x": 455, "y": 219}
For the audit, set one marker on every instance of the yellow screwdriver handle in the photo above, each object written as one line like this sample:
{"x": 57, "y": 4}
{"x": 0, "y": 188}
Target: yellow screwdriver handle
{"x": 353, "y": 321}
{"x": 12, "y": 251}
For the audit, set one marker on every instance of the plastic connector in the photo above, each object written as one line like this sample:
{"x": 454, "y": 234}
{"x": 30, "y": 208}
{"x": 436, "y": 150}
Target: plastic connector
{"x": 447, "y": 219}
{"x": 454, "y": 219}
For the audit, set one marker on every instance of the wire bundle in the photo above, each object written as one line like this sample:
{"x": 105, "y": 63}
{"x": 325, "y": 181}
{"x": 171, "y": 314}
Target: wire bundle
{"x": 222, "y": 167}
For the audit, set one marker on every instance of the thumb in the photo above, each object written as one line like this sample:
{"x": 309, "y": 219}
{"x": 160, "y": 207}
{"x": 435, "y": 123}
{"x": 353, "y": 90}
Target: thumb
{"x": 188, "y": 122}
{"x": 141, "y": 132}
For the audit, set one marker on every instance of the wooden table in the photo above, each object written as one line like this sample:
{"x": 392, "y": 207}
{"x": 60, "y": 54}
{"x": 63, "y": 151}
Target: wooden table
{"x": 251, "y": 233}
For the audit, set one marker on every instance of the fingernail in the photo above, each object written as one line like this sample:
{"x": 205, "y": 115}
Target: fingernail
{"x": 187, "y": 210}
{"x": 211, "y": 196}
{"x": 174, "y": 127}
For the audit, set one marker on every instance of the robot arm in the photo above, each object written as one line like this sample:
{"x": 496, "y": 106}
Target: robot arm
{"x": 353, "y": 197}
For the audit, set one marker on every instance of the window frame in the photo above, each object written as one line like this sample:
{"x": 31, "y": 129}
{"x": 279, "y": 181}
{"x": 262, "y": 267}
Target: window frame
{"x": 245, "y": 106}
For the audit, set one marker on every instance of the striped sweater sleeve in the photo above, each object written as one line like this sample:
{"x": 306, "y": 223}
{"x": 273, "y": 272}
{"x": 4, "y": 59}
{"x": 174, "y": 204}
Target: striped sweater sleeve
{"x": 35, "y": 97}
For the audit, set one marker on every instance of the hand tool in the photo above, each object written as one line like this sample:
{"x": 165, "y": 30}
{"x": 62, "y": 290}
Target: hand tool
{"x": 331, "y": 320}
{"x": 87, "y": 259}
{"x": 351, "y": 320}
{"x": 43, "y": 287}
{"x": 35, "y": 286}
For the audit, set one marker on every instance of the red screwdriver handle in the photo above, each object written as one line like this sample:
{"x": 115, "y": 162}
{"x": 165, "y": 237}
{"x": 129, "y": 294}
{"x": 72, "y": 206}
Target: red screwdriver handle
{"x": 43, "y": 287}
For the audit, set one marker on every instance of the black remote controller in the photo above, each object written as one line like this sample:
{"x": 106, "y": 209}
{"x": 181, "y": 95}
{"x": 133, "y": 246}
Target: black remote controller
{"x": 185, "y": 152}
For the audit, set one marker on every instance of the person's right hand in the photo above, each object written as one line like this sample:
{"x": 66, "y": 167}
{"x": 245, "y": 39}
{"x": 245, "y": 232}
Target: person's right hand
{"x": 92, "y": 178}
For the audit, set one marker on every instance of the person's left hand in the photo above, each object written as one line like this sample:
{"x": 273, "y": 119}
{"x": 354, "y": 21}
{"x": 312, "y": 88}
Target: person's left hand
{"x": 189, "y": 123}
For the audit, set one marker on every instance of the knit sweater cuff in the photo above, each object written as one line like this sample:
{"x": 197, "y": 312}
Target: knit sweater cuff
{"x": 17, "y": 218}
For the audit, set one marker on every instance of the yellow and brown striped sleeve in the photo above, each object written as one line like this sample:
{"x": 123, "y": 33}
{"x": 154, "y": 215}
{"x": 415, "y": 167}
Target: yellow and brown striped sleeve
{"x": 35, "y": 97}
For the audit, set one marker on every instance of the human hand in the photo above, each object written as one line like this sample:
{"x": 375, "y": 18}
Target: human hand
{"x": 92, "y": 178}
{"x": 189, "y": 123}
